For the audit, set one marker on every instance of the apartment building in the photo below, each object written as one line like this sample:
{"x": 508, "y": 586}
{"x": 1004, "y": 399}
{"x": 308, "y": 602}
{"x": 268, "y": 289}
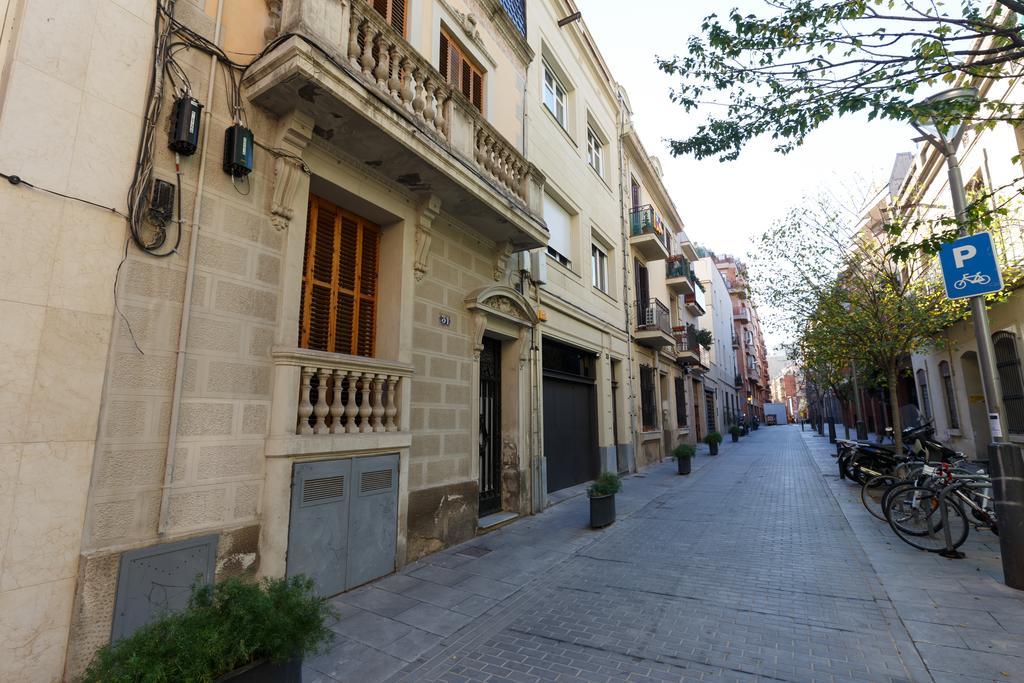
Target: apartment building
{"x": 722, "y": 381}
{"x": 751, "y": 351}
{"x": 382, "y": 294}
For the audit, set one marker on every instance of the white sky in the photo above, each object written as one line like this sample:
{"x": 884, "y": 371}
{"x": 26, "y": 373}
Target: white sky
{"x": 724, "y": 205}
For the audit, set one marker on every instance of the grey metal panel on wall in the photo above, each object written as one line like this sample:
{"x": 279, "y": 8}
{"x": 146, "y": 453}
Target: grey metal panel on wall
{"x": 373, "y": 525}
{"x": 318, "y": 527}
{"x": 158, "y": 580}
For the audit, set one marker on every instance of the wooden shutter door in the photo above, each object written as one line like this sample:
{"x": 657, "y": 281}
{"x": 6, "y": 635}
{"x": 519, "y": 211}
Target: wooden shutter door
{"x": 393, "y": 11}
{"x": 339, "y": 284}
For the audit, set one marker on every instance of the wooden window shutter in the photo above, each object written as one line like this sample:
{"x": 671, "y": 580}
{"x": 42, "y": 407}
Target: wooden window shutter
{"x": 339, "y": 283}
{"x": 393, "y": 11}
{"x": 459, "y": 71}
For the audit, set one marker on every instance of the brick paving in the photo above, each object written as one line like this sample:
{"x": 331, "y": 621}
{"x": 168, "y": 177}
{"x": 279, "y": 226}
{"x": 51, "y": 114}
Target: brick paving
{"x": 756, "y": 567}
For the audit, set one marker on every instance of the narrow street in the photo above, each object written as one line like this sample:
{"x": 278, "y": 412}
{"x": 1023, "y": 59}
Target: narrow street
{"x": 746, "y": 570}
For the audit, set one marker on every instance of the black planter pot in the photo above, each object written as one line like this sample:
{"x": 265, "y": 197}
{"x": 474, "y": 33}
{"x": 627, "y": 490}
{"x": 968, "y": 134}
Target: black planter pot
{"x": 735, "y": 437}
{"x": 602, "y": 511}
{"x": 684, "y": 465}
{"x": 264, "y": 671}
{"x": 713, "y": 448}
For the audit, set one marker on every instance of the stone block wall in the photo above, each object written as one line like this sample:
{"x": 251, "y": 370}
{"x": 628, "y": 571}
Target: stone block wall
{"x": 443, "y": 489}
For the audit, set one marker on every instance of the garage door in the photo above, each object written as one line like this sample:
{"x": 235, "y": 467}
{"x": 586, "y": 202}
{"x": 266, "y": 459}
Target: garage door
{"x": 570, "y": 416}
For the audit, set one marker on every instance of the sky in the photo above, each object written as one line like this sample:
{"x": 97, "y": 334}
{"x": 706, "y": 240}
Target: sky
{"x": 724, "y": 205}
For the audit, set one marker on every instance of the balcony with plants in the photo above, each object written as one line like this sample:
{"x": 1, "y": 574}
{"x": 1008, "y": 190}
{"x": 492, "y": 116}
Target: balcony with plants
{"x": 679, "y": 275}
{"x": 649, "y": 235}
{"x": 695, "y": 301}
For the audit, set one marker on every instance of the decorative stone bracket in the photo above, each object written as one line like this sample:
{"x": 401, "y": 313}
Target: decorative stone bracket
{"x": 294, "y": 135}
{"x": 426, "y": 212}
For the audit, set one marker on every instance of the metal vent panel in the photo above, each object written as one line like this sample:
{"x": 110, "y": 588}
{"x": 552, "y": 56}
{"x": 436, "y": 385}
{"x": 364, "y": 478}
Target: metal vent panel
{"x": 323, "y": 489}
{"x": 376, "y": 481}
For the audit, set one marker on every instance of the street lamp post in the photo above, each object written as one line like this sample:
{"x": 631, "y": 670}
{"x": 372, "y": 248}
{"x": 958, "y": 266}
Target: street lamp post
{"x": 1006, "y": 465}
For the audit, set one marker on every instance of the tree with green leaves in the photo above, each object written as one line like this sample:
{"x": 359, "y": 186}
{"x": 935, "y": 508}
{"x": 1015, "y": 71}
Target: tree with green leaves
{"x": 786, "y": 71}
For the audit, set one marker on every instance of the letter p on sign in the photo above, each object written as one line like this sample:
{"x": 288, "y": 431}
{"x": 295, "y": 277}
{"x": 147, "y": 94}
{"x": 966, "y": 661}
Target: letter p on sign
{"x": 963, "y": 254}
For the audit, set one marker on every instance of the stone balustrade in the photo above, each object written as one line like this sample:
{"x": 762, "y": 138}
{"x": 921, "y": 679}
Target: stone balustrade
{"x": 385, "y": 61}
{"x": 339, "y": 394}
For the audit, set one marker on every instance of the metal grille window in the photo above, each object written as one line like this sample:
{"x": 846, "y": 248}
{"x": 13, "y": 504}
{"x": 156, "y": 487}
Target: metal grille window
{"x": 516, "y": 10}
{"x": 599, "y": 267}
{"x": 554, "y": 96}
{"x": 339, "y": 282}
{"x": 947, "y": 386}
{"x": 648, "y": 409}
{"x": 924, "y": 399}
{"x": 461, "y": 72}
{"x": 1008, "y": 365}
{"x": 681, "y": 401}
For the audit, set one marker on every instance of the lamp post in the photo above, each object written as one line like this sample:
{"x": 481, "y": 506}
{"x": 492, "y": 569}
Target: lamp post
{"x": 1006, "y": 465}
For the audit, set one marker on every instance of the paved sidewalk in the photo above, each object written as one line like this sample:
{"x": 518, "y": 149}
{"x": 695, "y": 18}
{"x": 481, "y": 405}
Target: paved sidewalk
{"x": 965, "y": 624}
{"x": 747, "y": 570}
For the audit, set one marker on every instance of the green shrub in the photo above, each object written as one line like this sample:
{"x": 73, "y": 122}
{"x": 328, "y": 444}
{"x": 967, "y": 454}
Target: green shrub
{"x": 683, "y": 451}
{"x": 223, "y": 628}
{"x": 605, "y": 485}
{"x": 734, "y": 430}
{"x": 713, "y": 437}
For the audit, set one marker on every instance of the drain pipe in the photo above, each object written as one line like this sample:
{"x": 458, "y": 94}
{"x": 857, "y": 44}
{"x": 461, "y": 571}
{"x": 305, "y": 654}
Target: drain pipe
{"x": 625, "y": 277}
{"x": 186, "y": 305}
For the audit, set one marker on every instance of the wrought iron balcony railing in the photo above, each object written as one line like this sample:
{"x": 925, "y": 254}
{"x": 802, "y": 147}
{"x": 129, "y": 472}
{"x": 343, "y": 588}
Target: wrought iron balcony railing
{"x": 652, "y": 314}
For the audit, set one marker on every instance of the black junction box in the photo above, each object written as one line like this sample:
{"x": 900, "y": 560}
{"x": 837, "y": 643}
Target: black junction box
{"x": 238, "y": 151}
{"x": 185, "y": 130}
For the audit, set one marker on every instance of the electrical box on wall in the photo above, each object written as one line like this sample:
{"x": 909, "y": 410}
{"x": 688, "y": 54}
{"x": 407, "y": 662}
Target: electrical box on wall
{"x": 161, "y": 203}
{"x": 185, "y": 125}
{"x": 539, "y": 266}
{"x": 238, "y": 151}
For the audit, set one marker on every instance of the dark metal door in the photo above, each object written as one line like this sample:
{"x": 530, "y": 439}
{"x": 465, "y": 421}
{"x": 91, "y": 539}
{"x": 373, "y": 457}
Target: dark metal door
{"x": 570, "y": 432}
{"x": 490, "y": 427}
{"x": 709, "y": 407}
{"x": 373, "y": 518}
{"x": 318, "y": 528}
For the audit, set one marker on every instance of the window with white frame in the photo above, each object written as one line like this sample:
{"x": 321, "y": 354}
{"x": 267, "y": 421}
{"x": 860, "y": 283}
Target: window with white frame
{"x": 599, "y": 267}
{"x": 595, "y": 152}
{"x": 554, "y": 97}
{"x": 559, "y": 224}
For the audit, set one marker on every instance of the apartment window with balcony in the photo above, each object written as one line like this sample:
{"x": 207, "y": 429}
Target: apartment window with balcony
{"x": 560, "y": 228}
{"x": 648, "y": 407}
{"x": 339, "y": 282}
{"x": 947, "y": 387}
{"x": 554, "y": 97}
{"x": 461, "y": 72}
{"x": 680, "y": 401}
{"x": 599, "y": 268}
{"x": 394, "y": 11}
{"x": 595, "y": 152}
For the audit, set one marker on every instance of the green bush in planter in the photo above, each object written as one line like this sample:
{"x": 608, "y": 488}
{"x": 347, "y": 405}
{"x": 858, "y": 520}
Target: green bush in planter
{"x": 224, "y": 627}
{"x": 734, "y": 430}
{"x": 713, "y": 437}
{"x": 683, "y": 451}
{"x": 607, "y": 484}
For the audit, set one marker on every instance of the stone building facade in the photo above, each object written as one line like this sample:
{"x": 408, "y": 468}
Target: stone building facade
{"x": 369, "y": 325}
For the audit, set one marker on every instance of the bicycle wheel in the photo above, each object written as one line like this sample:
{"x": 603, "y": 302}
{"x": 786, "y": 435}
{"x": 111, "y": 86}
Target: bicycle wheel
{"x": 914, "y": 513}
{"x": 872, "y": 494}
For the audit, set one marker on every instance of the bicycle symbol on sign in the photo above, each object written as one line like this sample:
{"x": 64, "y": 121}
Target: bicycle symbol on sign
{"x": 972, "y": 279}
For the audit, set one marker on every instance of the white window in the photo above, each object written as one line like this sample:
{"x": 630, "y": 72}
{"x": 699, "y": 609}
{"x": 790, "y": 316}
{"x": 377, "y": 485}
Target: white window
{"x": 554, "y": 96}
{"x": 594, "y": 151}
{"x": 560, "y": 228}
{"x": 599, "y": 267}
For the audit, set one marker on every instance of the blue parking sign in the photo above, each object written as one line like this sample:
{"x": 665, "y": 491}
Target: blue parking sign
{"x": 969, "y": 266}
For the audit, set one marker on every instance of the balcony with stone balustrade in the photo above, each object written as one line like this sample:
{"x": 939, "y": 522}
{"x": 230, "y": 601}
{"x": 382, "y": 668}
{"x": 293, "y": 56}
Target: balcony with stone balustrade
{"x": 376, "y": 100}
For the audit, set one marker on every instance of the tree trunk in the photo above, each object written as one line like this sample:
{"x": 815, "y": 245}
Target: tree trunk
{"x": 894, "y": 406}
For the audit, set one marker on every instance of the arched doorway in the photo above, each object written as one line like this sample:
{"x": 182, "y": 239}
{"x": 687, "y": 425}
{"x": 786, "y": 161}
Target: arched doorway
{"x": 976, "y": 410}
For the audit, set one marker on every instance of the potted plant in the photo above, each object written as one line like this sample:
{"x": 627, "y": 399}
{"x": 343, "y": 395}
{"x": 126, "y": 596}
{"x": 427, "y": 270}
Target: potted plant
{"x": 683, "y": 453}
{"x": 602, "y": 499}
{"x": 712, "y": 440}
{"x": 734, "y": 432}
{"x": 236, "y": 631}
